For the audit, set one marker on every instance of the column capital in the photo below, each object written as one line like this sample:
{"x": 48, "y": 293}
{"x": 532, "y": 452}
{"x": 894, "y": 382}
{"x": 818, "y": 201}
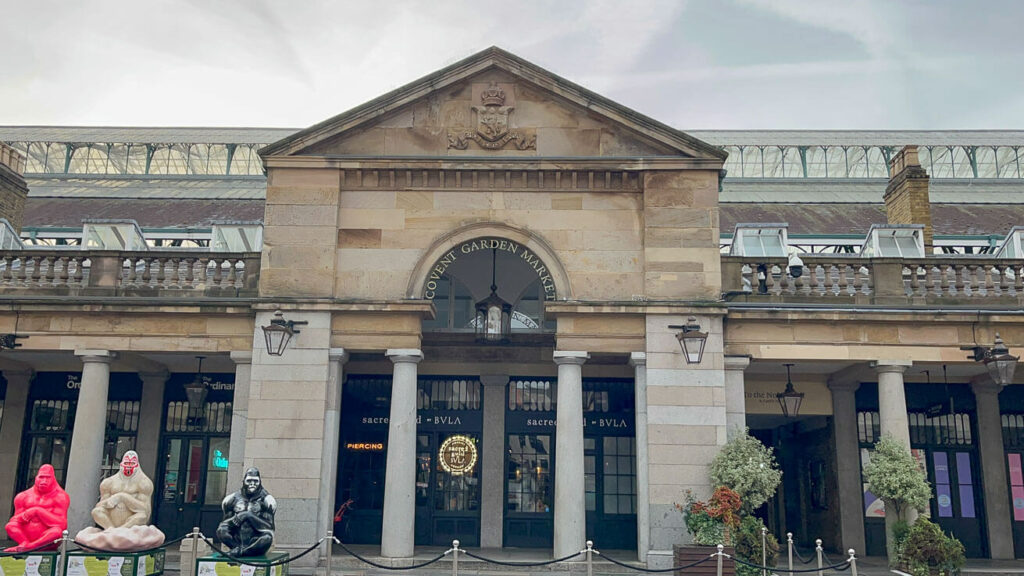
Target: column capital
{"x": 19, "y": 374}
{"x": 738, "y": 362}
{"x": 241, "y": 356}
{"x": 96, "y": 356}
{"x": 571, "y": 357}
{"x": 984, "y": 385}
{"x": 159, "y": 376}
{"x": 891, "y": 366}
{"x": 843, "y": 385}
{"x": 404, "y": 355}
{"x": 494, "y": 379}
{"x": 338, "y": 355}
{"x": 638, "y": 358}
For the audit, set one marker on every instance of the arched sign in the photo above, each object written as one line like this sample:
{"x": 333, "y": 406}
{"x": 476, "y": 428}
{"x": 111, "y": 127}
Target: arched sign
{"x": 529, "y": 261}
{"x": 457, "y": 455}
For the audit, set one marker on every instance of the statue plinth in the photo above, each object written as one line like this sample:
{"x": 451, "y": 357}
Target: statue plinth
{"x": 220, "y": 565}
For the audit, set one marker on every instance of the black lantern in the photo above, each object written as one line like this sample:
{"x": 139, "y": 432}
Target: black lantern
{"x": 279, "y": 333}
{"x": 195, "y": 391}
{"x": 493, "y": 315}
{"x": 1001, "y": 365}
{"x": 691, "y": 340}
{"x": 790, "y": 400}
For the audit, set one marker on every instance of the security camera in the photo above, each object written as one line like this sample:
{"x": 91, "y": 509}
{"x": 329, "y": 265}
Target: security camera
{"x": 796, "y": 266}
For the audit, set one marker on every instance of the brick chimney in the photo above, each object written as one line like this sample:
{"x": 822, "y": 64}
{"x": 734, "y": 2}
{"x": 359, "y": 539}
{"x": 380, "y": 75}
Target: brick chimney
{"x": 906, "y": 196}
{"x": 13, "y": 188}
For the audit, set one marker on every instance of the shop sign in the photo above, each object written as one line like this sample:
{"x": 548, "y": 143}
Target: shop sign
{"x": 433, "y": 420}
{"x": 529, "y": 258}
{"x": 457, "y": 455}
{"x": 364, "y": 446}
{"x": 762, "y": 397}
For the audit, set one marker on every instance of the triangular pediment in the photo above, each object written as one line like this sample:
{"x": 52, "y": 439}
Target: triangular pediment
{"x": 492, "y": 104}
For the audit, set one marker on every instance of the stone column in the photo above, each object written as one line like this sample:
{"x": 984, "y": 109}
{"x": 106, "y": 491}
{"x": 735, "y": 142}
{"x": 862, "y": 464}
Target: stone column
{"x": 399, "y": 528}
{"x": 993, "y": 468}
{"x": 638, "y": 360}
{"x": 735, "y": 401}
{"x": 147, "y": 442}
{"x": 893, "y": 420}
{"x": 11, "y": 427}
{"x": 239, "y": 417}
{"x": 570, "y": 488}
{"x": 847, "y": 465}
{"x": 332, "y": 436}
{"x": 87, "y": 437}
{"x": 492, "y": 478}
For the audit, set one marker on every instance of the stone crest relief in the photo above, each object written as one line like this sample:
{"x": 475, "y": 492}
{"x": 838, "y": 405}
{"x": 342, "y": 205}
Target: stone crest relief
{"x": 493, "y": 129}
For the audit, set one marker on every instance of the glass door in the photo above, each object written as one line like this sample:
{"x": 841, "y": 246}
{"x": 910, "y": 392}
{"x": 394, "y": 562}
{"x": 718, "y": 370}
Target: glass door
{"x": 529, "y": 490}
{"x": 193, "y": 485}
{"x": 955, "y": 507}
{"x": 447, "y": 501}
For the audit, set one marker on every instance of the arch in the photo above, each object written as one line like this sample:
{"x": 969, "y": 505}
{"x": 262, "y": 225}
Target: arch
{"x": 527, "y": 239}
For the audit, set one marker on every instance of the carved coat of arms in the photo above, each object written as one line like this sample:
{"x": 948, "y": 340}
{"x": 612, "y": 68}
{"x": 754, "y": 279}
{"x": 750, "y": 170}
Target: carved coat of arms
{"x": 493, "y": 130}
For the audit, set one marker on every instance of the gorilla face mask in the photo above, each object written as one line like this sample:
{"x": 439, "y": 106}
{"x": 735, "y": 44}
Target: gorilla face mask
{"x": 129, "y": 463}
{"x": 252, "y": 483}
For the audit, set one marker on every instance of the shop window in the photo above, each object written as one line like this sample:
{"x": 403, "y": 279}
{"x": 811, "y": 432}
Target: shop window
{"x": 1013, "y": 430}
{"x": 1016, "y": 486}
{"x": 217, "y": 469}
{"x": 619, "y": 475}
{"x": 215, "y": 417}
{"x": 448, "y": 394}
{"x": 868, "y": 427}
{"x": 122, "y": 428}
{"x": 608, "y": 396}
{"x": 942, "y": 430}
{"x": 532, "y": 395}
{"x": 529, "y": 473}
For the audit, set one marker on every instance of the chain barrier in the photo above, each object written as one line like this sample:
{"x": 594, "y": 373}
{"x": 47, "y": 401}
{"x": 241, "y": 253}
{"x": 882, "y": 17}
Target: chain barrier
{"x": 522, "y": 564}
{"x": 655, "y": 570}
{"x": 383, "y": 567}
{"x": 116, "y": 552}
{"x": 839, "y": 567}
{"x": 243, "y": 561}
{"x": 40, "y": 548}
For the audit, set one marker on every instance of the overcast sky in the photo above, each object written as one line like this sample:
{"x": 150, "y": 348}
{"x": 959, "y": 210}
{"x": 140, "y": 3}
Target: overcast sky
{"x": 694, "y": 64}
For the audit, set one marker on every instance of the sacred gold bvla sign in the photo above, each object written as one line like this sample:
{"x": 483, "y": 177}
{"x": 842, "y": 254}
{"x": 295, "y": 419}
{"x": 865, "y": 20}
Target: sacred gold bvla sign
{"x": 457, "y": 455}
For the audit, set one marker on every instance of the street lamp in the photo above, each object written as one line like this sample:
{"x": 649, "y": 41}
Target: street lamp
{"x": 195, "y": 391}
{"x": 280, "y": 332}
{"x": 1001, "y": 365}
{"x": 790, "y": 400}
{"x": 493, "y": 315}
{"x": 691, "y": 340}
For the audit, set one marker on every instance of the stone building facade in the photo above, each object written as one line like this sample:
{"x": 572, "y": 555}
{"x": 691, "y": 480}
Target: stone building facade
{"x": 385, "y": 227}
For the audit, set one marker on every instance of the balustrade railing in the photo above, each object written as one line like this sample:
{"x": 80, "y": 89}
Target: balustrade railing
{"x": 955, "y": 280}
{"x": 122, "y": 273}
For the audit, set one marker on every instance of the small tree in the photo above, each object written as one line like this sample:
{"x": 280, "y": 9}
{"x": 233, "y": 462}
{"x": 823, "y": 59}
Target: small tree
{"x": 894, "y": 476}
{"x": 748, "y": 467}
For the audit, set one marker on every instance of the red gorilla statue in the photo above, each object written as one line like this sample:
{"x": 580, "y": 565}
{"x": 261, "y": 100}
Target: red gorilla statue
{"x": 40, "y": 513}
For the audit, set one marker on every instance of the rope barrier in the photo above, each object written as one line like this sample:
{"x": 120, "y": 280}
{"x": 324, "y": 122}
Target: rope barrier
{"x": 523, "y": 564}
{"x": 41, "y": 547}
{"x": 117, "y": 552}
{"x": 842, "y": 566}
{"x": 383, "y": 567}
{"x": 245, "y": 562}
{"x": 654, "y": 570}
{"x": 801, "y": 558}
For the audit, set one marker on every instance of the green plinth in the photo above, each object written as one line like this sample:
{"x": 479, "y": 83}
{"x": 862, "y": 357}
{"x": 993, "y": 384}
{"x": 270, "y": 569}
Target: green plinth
{"x": 33, "y": 564}
{"x": 82, "y": 563}
{"x": 219, "y": 565}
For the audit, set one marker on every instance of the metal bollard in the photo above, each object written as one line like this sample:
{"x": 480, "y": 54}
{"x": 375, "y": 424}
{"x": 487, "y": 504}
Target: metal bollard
{"x": 789, "y": 550}
{"x": 720, "y": 554}
{"x": 817, "y": 548}
{"x": 195, "y": 551}
{"x": 764, "y": 550}
{"x": 853, "y": 562}
{"x": 62, "y": 557}
{"x": 590, "y": 558}
{"x": 330, "y": 550}
{"x": 455, "y": 558}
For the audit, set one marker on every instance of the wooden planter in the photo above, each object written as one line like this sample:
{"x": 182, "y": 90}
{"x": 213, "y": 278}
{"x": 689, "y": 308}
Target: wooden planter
{"x": 682, "y": 555}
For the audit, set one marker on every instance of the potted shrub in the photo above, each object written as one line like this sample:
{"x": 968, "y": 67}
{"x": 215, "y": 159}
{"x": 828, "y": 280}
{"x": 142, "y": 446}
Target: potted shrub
{"x": 709, "y": 523}
{"x": 747, "y": 467}
{"x": 894, "y": 476}
{"x": 926, "y": 551}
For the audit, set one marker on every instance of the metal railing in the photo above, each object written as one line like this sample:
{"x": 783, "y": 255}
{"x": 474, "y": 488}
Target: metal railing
{"x": 851, "y": 279}
{"x": 128, "y": 273}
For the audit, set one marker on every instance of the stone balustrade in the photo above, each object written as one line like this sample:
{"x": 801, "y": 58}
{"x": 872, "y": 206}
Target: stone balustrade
{"x": 849, "y": 279}
{"x": 164, "y": 273}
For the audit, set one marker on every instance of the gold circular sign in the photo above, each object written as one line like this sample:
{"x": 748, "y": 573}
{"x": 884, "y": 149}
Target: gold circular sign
{"x": 457, "y": 455}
